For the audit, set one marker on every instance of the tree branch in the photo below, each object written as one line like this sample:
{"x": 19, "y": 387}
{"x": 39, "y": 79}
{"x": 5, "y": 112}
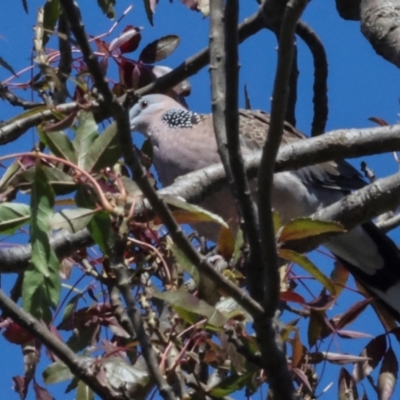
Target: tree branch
{"x": 123, "y": 127}
{"x": 273, "y": 359}
{"x": 14, "y": 128}
{"x": 79, "y": 366}
{"x": 320, "y": 86}
{"x": 122, "y": 120}
{"x": 195, "y": 63}
{"x": 14, "y": 100}
{"x": 197, "y": 185}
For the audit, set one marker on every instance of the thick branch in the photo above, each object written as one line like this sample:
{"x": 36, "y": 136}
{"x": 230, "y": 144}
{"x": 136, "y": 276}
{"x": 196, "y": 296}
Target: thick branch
{"x": 195, "y": 186}
{"x": 380, "y": 24}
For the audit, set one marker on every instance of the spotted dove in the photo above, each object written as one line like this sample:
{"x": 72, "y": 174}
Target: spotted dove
{"x": 184, "y": 141}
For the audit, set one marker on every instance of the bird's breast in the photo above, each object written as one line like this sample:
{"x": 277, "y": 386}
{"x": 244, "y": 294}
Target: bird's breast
{"x": 179, "y": 153}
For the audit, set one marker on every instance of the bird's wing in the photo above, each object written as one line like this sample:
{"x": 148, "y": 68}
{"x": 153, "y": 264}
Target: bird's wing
{"x": 338, "y": 175}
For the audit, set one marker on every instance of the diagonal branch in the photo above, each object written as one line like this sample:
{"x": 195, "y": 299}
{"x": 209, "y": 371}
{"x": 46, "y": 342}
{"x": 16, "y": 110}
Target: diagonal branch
{"x": 121, "y": 117}
{"x": 79, "y": 366}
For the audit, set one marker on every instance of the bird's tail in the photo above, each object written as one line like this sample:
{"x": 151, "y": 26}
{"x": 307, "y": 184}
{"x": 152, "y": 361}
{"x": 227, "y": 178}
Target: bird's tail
{"x": 374, "y": 260}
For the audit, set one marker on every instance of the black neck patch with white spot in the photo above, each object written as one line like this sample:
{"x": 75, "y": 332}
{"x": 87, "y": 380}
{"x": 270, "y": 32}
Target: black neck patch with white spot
{"x": 181, "y": 118}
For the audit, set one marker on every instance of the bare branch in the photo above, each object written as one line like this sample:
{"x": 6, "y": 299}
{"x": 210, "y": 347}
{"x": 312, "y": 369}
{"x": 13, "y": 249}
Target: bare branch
{"x": 14, "y": 100}
{"x": 248, "y": 209}
{"x": 380, "y": 25}
{"x": 320, "y": 86}
{"x": 12, "y": 129}
{"x": 195, "y": 63}
{"x": 389, "y": 224}
{"x": 224, "y": 83}
{"x": 278, "y": 374}
{"x": 270, "y": 151}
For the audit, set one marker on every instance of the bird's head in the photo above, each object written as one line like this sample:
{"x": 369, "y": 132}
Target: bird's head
{"x": 147, "y": 112}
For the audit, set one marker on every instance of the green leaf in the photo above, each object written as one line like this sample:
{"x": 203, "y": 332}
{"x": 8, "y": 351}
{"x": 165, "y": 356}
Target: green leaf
{"x": 187, "y": 305}
{"x": 59, "y": 144}
{"x": 71, "y": 306}
{"x": 41, "y": 286}
{"x": 83, "y": 392}
{"x": 7, "y": 66}
{"x": 100, "y": 225}
{"x": 82, "y": 337}
{"x": 107, "y": 6}
{"x": 310, "y": 267}
{"x": 229, "y": 385}
{"x": 71, "y": 219}
{"x": 56, "y": 373}
{"x": 302, "y": 228}
{"x": 61, "y": 182}
{"x": 11, "y": 172}
{"x": 189, "y": 213}
{"x": 101, "y": 231}
{"x": 85, "y": 136}
{"x": 50, "y": 17}
{"x": 105, "y": 150}
{"x": 13, "y": 216}
{"x": 183, "y": 262}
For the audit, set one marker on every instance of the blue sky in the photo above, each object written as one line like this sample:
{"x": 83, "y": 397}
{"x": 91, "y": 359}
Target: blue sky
{"x": 361, "y": 85}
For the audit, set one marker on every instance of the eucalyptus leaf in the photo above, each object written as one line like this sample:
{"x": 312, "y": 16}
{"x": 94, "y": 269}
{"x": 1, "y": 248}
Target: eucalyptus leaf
{"x": 13, "y": 216}
{"x": 85, "y": 136}
{"x": 105, "y": 151}
{"x": 41, "y": 284}
{"x": 71, "y": 219}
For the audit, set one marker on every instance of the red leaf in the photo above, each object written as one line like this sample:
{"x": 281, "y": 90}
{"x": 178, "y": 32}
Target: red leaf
{"x": 388, "y": 375}
{"x": 135, "y": 75}
{"x": 128, "y": 41}
{"x": 20, "y": 386}
{"x": 352, "y": 313}
{"x": 292, "y": 296}
{"x": 41, "y": 393}
{"x": 14, "y": 333}
{"x": 374, "y": 350}
{"x": 347, "y": 386}
{"x": 378, "y": 121}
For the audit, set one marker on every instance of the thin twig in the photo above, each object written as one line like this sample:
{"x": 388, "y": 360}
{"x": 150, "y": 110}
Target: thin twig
{"x": 14, "y": 100}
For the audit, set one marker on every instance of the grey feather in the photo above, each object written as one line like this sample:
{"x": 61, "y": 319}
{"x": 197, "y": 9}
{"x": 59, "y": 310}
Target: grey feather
{"x": 183, "y": 141}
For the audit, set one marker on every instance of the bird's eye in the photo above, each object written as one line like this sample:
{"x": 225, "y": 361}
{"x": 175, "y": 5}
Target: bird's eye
{"x": 145, "y": 104}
